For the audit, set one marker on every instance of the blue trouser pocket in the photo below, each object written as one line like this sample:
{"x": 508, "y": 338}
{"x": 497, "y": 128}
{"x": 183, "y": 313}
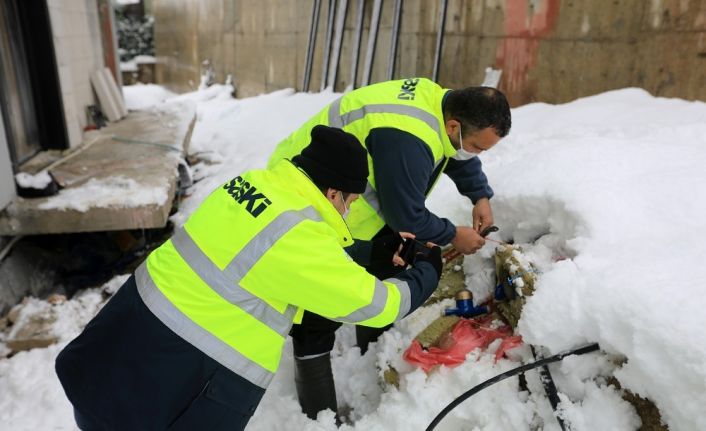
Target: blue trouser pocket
{"x": 223, "y": 404}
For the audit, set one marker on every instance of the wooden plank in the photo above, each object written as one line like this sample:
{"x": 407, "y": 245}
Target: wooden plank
{"x": 115, "y": 92}
{"x": 108, "y": 103}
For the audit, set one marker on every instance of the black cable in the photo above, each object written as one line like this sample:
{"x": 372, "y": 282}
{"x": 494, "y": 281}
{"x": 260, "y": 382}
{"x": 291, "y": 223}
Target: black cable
{"x": 549, "y": 388}
{"x": 500, "y": 377}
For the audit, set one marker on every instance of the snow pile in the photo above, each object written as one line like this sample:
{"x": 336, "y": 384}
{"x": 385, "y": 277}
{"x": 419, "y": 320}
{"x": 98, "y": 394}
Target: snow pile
{"x": 33, "y": 398}
{"x": 37, "y": 181}
{"x": 128, "y": 66}
{"x": 104, "y": 192}
{"x": 604, "y": 196}
{"x": 145, "y": 96}
{"x": 32, "y": 395}
{"x": 573, "y": 181}
{"x": 612, "y": 181}
{"x": 237, "y": 135}
{"x": 627, "y": 170}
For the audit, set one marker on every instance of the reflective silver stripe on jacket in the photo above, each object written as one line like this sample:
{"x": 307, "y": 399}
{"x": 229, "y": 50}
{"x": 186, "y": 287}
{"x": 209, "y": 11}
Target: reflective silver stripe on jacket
{"x": 371, "y": 197}
{"x": 334, "y": 114}
{"x": 335, "y": 119}
{"x": 226, "y": 284}
{"x": 203, "y": 340}
{"x": 377, "y": 305}
{"x": 405, "y": 296}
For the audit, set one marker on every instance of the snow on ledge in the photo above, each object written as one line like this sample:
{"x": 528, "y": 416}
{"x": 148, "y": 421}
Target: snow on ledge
{"x": 116, "y": 191}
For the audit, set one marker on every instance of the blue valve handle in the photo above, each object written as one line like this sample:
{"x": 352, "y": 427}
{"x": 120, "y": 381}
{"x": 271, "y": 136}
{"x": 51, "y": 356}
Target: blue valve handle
{"x": 465, "y": 308}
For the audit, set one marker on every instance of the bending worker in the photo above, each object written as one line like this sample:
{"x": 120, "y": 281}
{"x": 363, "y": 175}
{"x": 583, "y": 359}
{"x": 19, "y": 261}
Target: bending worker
{"x": 194, "y": 337}
{"x": 413, "y": 130}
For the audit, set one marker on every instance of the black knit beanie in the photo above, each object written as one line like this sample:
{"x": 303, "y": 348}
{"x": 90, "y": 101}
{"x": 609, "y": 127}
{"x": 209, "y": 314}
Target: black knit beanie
{"x": 335, "y": 159}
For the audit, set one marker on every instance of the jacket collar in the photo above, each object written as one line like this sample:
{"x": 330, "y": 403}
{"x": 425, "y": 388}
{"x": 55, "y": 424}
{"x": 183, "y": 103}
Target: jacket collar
{"x": 449, "y": 149}
{"x": 299, "y": 182}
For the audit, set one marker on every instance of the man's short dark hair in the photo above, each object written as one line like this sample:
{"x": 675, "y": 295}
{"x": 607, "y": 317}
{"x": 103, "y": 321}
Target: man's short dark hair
{"x": 478, "y": 108}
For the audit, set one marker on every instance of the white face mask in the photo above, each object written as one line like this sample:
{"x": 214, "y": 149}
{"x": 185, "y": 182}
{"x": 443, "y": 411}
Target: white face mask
{"x": 345, "y": 208}
{"x": 461, "y": 153}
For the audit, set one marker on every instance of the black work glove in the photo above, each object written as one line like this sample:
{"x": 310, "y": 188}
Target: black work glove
{"x": 383, "y": 248}
{"x": 431, "y": 255}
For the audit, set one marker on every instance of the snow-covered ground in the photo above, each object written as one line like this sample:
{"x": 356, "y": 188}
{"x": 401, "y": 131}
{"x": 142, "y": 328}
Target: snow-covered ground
{"x": 605, "y": 194}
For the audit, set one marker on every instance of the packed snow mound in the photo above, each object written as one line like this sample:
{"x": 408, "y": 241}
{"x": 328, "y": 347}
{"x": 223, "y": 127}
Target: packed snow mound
{"x": 145, "y": 96}
{"x": 617, "y": 178}
{"x": 591, "y": 189}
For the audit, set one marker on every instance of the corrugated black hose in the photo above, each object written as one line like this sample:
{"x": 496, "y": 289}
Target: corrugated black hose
{"x": 500, "y": 377}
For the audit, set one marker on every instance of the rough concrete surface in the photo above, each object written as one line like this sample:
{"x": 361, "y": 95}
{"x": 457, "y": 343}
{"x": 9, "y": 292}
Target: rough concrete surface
{"x": 144, "y": 147}
{"x": 549, "y": 50}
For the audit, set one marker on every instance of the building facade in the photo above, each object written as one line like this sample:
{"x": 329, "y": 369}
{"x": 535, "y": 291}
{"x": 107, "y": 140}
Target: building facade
{"x": 548, "y": 50}
{"x": 48, "y": 50}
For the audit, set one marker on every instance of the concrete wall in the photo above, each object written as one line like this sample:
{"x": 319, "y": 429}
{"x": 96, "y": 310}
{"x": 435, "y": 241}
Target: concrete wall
{"x": 79, "y": 51}
{"x": 7, "y": 182}
{"x": 549, "y": 50}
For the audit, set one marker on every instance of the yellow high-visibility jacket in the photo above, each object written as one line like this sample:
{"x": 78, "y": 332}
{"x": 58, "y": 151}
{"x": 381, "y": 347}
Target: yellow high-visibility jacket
{"x": 410, "y": 105}
{"x": 260, "y": 250}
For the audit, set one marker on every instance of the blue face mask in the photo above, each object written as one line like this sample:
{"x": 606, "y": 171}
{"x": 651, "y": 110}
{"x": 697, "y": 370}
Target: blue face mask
{"x": 461, "y": 153}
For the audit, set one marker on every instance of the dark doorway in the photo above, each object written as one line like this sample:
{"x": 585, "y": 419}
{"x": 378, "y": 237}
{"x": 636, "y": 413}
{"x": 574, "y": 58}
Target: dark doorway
{"x": 30, "y": 93}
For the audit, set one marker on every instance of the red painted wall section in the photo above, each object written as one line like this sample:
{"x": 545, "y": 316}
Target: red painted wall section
{"x": 526, "y": 23}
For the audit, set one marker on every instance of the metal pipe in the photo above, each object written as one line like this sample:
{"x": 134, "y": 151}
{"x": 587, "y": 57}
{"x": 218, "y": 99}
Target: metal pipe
{"x": 394, "y": 39}
{"x": 327, "y": 42}
{"x": 340, "y": 27}
{"x": 313, "y": 28}
{"x": 372, "y": 41}
{"x": 439, "y": 40}
{"x": 356, "y": 43}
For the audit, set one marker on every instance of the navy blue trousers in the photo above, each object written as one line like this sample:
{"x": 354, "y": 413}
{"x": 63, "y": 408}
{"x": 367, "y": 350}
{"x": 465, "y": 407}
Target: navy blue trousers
{"x": 128, "y": 371}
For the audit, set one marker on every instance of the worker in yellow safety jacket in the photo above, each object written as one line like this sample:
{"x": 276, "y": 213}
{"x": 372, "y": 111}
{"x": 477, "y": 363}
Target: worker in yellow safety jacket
{"x": 194, "y": 337}
{"x": 413, "y": 130}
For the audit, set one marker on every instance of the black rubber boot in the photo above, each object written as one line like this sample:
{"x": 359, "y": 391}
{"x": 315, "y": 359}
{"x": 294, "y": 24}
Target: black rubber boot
{"x": 315, "y": 386}
{"x": 365, "y": 335}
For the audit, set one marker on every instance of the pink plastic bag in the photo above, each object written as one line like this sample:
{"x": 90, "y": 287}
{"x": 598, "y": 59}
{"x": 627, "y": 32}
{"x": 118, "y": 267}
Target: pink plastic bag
{"x": 466, "y": 335}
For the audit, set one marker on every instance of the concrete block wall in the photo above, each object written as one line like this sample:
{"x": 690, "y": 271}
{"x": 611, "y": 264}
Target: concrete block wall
{"x": 251, "y": 39}
{"x": 77, "y": 44}
{"x": 549, "y": 50}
